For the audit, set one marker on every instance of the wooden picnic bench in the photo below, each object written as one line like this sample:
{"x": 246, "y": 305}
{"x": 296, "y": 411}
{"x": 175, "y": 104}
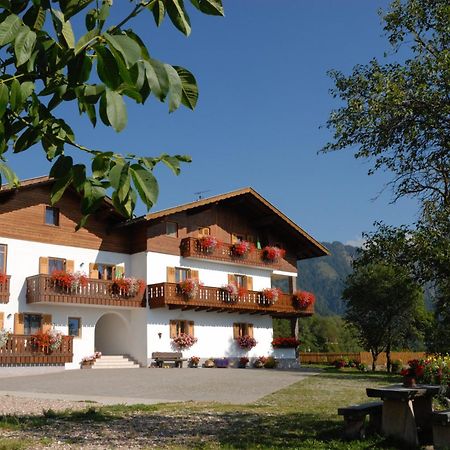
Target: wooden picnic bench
{"x": 161, "y": 357}
{"x": 441, "y": 429}
{"x": 355, "y": 416}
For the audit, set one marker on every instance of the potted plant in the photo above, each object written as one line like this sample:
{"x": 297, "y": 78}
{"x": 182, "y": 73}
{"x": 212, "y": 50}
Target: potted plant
{"x": 270, "y": 295}
{"x": 68, "y": 281}
{"x": 209, "y": 363}
{"x": 259, "y": 362}
{"x": 209, "y": 243}
{"x": 88, "y": 361}
{"x": 243, "y": 361}
{"x": 285, "y": 347}
{"x": 193, "y": 361}
{"x": 272, "y": 254}
{"x": 4, "y": 336}
{"x": 231, "y": 292}
{"x": 47, "y": 341}
{"x": 189, "y": 287}
{"x": 128, "y": 287}
{"x": 413, "y": 373}
{"x": 221, "y": 363}
{"x": 184, "y": 341}
{"x": 241, "y": 248}
{"x": 246, "y": 342}
{"x": 303, "y": 299}
{"x": 270, "y": 363}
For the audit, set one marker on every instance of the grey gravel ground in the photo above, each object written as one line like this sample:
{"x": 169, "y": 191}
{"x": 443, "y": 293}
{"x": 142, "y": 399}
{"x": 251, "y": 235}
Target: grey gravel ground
{"x": 131, "y": 386}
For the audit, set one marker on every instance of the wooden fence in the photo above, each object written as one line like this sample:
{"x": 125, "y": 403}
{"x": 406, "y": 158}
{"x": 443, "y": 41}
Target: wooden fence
{"x": 360, "y": 357}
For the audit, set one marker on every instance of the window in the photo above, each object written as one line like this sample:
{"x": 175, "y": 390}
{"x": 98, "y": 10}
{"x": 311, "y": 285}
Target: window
{"x": 242, "y": 329}
{"x": 3, "y": 248}
{"x": 181, "y": 326}
{"x": 172, "y": 229}
{"x": 52, "y": 216}
{"x": 74, "y": 325}
{"x": 204, "y": 231}
{"x": 105, "y": 271}
{"x": 56, "y": 264}
{"x": 240, "y": 281}
{"x": 32, "y": 323}
{"x": 282, "y": 282}
{"x": 181, "y": 274}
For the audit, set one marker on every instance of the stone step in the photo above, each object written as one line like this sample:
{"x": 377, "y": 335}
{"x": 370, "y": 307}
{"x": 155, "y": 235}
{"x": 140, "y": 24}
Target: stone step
{"x": 115, "y": 362}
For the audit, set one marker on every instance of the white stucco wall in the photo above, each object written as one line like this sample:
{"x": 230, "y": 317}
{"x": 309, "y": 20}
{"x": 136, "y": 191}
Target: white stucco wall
{"x": 214, "y": 332}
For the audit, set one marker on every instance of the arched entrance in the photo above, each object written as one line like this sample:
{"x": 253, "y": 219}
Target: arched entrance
{"x": 111, "y": 335}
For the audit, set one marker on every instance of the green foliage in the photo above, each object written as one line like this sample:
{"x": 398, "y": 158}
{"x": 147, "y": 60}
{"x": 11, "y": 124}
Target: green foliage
{"x": 385, "y": 305}
{"x": 44, "y": 63}
{"x": 396, "y": 114}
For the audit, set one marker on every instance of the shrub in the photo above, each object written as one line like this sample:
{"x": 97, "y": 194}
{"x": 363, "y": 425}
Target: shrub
{"x": 270, "y": 363}
{"x": 396, "y": 366}
{"x": 362, "y": 367}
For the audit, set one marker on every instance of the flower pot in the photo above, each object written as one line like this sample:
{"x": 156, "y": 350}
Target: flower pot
{"x": 409, "y": 381}
{"x": 284, "y": 353}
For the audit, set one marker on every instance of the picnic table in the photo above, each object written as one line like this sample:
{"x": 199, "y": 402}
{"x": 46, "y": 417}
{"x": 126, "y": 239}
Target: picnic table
{"x": 406, "y": 410}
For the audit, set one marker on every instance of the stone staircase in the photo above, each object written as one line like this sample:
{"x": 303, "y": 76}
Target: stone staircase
{"x": 115, "y": 362}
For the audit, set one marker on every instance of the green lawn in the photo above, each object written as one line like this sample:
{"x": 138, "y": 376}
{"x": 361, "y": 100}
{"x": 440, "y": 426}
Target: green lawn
{"x": 301, "y": 416}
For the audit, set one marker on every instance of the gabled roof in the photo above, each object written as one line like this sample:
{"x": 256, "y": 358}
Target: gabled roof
{"x": 30, "y": 182}
{"x": 319, "y": 249}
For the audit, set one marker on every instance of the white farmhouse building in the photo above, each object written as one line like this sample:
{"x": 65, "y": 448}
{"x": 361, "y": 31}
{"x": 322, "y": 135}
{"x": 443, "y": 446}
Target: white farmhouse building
{"x": 200, "y": 242}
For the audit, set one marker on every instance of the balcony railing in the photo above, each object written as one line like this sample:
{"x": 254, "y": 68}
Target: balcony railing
{"x": 21, "y": 350}
{"x": 192, "y": 248}
{"x": 42, "y": 289}
{"x": 216, "y": 299}
{"x": 4, "y": 290}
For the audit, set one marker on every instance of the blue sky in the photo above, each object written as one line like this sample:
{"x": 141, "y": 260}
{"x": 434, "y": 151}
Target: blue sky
{"x": 264, "y": 94}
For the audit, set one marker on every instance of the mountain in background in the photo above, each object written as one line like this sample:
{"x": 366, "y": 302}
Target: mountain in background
{"x": 325, "y": 277}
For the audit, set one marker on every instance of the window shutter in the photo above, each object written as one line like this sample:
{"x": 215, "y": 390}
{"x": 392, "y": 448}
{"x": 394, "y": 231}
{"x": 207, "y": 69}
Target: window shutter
{"x": 231, "y": 279}
{"x": 235, "y": 330}
{"x": 193, "y": 274}
{"x": 292, "y": 284}
{"x": 93, "y": 271}
{"x": 46, "y": 322}
{"x": 43, "y": 264}
{"x": 119, "y": 271}
{"x": 249, "y": 283}
{"x": 250, "y": 329}
{"x": 171, "y": 274}
{"x": 191, "y": 327}
{"x": 173, "y": 329}
{"x": 70, "y": 265}
{"x": 18, "y": 324}
{"x": 1, "y": 321}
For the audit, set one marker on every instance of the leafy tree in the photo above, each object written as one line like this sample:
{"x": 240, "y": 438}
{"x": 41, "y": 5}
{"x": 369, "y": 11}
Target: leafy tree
{"x": 44, "y": 65}
{"x": 396, "y": 113}
{"x": 385, "y": 305}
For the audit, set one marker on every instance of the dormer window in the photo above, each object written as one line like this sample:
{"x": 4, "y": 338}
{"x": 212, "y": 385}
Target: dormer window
{"x": 52, "y": 216}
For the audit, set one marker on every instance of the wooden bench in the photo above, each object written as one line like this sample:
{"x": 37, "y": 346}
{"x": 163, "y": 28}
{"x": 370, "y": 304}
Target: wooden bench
{"x": 161, "y": 357}
{"x": 354, "y": 418}
{"x": 441, "y": 429}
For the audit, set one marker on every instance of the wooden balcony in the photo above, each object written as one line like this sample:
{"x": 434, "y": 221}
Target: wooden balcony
{"x": 42, "y": 289}
{"x": 4, "y": 290}
{"x": 192, "y": 248}
{"x": 20, "y": 350}
{"x": 216, "y": 299}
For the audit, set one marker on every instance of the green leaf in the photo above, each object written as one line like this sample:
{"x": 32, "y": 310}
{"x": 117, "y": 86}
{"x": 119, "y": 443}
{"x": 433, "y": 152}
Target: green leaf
{"x": 4, "y": 98}
{"x": 107, "y": 67}
{"x": 85, "y": 40}
{"x": 90, "y": 19}
{"x": 116, "y": 110}
{"x": 211, "y": 7}
{"x": 63, "y": 28}
{"x": 119, "y": 178}
{"x": 159, "y": 11}
{"x": 189, "y": 87}
{"x": 15, "y": 96}
{"x": 100, "y": 166}
{"x": 175, "y": 88}
{"x": 27, "y": 89}
{"x": 26, "y": 140}
{"x": 24, "y": 45}
{"x": 62, "y": 167}
{"x": 145, "y": 183}
{"x": 72, "y": 7}
{"x": 157, "y": 78}
{"x": 9, "y": 29}
{"x": 102, "y": 110}
{"x": 35, "y": 17}
{"x": 10, "y": 176}
{"x": 59, "y": 187}
{"x": 127, "y": 47}
{"x": 179, "y": 16}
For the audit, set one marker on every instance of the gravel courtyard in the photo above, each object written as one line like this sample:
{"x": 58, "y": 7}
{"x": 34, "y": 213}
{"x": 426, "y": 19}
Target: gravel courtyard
{"x": 148, "y": 386}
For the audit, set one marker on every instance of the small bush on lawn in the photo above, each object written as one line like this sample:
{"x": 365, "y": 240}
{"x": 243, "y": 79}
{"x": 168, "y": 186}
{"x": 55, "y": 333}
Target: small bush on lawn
{"x": 396, "y": 366}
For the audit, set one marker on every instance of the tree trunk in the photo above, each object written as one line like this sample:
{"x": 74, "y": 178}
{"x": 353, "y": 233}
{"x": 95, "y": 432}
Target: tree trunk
{"x": 374, "y": 359}
{"x": 294, "y": 332}
{"x": 388, "y": 358}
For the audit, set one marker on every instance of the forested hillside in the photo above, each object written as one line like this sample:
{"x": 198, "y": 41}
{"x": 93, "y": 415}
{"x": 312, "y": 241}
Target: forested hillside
{"x": 325, "y": 277}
